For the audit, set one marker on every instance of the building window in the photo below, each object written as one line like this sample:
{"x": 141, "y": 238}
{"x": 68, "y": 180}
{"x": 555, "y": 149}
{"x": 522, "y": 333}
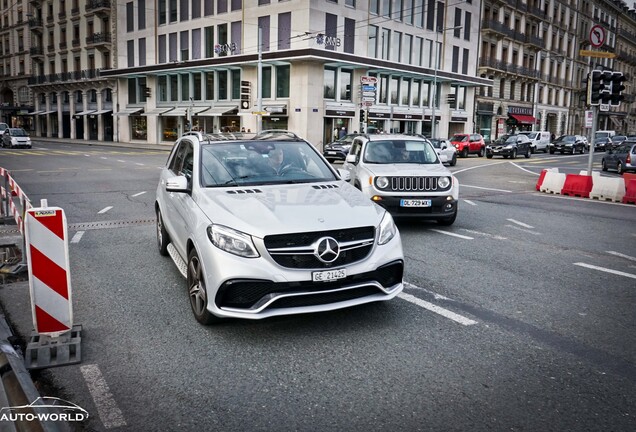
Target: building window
{"x": 236, "y": 5}
{"x": 405, "y": 88}
{"x": 415, "y": 93}
{"x": 196, "y": 9}
{"x": 329, "y": 83}
{"x": 209, "y": 41}
{"x": 263, "y": 24}
{"x": 132, "y": 91}
{"x": 465, "y": 61}
{"x": 502, "y": 86}
{"x": 185, "y": 45}
{"x": 284, "y": 30}
{"x": 394, "y": 90}
{"x": 185, "y": 86}
{"x": 235, "y": 75}
{"x": 130, "y": 17}
{"x": 384, "y": 88}
{"x": 196, "y": 43}
{"x": 349, "y": 36}
{"x": 222, "y": 78}
{"x": 221, "y": 6}
{"x": 23, "y": 95}
{"x": 467, "y": 24}
{"x": 372, "y": 44}
{"x": 455, "y": 63}
{"x": 184, "y": 12}
{"x": 385, "y": 41}
{"x": 130, "y": 45}
{"x": 267, "y": 82}
{"x": 346, "y": 84}
{"x": 282, "y": 81}
{"x": 162, "y": 88}
{"x": 222, "y": 35}
{"x": 208, "y": 7}
{"x": 209, "y": 86}
{"x": 331, "y": 30}
{"x": 173, "y": 89}
{"x": 196, "y": 86}
{"x": 173, "y": 11}
{"x": 162, "y": 48}
{"x": 162, "y": 12}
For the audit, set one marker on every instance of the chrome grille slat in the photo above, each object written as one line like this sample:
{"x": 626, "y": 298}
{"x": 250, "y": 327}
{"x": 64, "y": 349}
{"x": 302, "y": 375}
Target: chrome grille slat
{"x": 413, "y": 184}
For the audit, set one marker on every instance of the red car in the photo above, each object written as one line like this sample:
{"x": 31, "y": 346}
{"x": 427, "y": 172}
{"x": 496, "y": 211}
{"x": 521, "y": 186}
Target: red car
{"x": 469, "y": 144}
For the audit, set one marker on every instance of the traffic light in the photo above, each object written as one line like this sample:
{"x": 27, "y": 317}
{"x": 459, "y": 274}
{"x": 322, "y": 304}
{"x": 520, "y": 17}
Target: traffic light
{"x": 598, "y": 87}
{"x": 617, "y": 88}
{"x": 452, "y": 99}
{"x": 347, "y": 92}
{"x": 246, "y": 93}
{"x": 363, "y": 116}
{"x": 147, "y": 92}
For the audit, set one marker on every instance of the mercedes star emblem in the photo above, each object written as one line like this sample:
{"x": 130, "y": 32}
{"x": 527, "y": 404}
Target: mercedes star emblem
{"x": 327, "y": 249}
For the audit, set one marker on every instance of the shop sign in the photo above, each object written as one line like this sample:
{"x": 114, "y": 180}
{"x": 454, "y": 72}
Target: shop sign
{"x": 379, "y": 115}
{"x": 458, "y": 119}
{"x": 225, "y": 48}
{"x": 327, "y": 41}
{"x": 340, "y": 113}
{"x": 520, "y": 110}
{"x": 407, "y": 116}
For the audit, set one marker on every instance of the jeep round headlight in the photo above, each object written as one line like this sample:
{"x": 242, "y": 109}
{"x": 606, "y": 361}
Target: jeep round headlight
{"x": 443, "y": 182}
{"x": 382, "y": 182}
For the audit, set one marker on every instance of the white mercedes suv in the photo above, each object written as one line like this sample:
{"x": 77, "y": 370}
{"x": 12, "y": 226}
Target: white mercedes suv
{"x": 405, "y": 175}
{"x": 267, "y": 227}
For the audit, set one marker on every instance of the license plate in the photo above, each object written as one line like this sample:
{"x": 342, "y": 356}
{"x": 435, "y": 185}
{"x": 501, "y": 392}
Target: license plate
{"x": 331, "y": 153}
{"x": 415, "y": 203}
{"x": 328, "y": 275}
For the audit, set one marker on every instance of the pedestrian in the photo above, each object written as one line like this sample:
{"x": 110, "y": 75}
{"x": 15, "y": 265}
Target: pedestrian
{"x": 335, "y": 133}
{"x": 343, "y": 132}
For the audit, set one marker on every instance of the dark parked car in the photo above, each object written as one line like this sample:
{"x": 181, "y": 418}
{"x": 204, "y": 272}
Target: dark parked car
{"x": 567, "y": 144}
{"x": 602, "y": 143}
{"x": 339, "y": 149}
{"x": 510, "y": 146}
{"x": 621, "y": 158}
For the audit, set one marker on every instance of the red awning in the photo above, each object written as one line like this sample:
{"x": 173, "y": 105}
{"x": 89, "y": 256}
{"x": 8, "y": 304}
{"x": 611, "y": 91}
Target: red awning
{"x": 524, "y": 119}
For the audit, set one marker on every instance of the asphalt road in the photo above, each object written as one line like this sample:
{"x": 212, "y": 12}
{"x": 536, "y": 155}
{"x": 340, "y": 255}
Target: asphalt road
{"x": 518, "y": 317}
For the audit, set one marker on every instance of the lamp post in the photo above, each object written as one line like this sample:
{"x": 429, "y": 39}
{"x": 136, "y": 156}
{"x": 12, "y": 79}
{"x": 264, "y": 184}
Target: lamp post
{"x": 436, "y": 66}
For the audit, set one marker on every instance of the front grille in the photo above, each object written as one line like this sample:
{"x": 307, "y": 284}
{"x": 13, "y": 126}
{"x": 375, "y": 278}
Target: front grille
{"x": 297, "y": 250}
{"x": 413, "y": 184}
{"x": 245, "y": 293}
{"x": 324, "y": 298}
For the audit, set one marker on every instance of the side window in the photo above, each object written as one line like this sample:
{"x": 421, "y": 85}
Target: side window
{"x": 183, "y": 161}
{"x": 177, "y": 159}
{"x": 355, "y": 148}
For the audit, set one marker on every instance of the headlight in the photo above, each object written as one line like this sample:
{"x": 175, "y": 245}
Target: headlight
{"x": 232, "y": 241}
{"x": 386, "y": 229}
{"x": 443, "y": 182}
{"x": 509, "y": 146}
{"x": 382, "y": 182}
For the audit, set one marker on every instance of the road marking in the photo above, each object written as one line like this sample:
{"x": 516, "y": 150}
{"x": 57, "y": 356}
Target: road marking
{"x": 122, "y": 161}
{"x": 139, "y": 163}
{"x": 451, "y": 234}
{"x": 103, "y": 157}
{"x": 77, "y": 237}
{"x": 107, "y": 409}
{"x": 438, "y": 310}
{"x": 470, "y": 202}
{"x": 140, "y": 193}
{"x": 477, "y": 166}
{"x": 104, "y": 210}
{"x": 603, "y": 269}
{"x": 523, "y": 169}
{"x": 524, "y": 230}
{"x": 525, "y": 225}
{"x": 434, "y": 294}
{"x": 618, "y": 254}
{"x": 485, "y": 188}
{"x": 496, "y": 237}
{"x": 99, "y": 169}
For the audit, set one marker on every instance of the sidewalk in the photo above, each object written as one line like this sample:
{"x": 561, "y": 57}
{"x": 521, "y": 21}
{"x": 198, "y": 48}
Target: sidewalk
{"x": 135, "y": 145}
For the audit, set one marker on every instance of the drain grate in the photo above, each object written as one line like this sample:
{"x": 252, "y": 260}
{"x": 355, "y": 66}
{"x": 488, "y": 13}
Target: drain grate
{"x": 108, "y": 224}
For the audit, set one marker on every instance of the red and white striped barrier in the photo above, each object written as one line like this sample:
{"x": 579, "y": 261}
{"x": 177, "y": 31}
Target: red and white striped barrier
{"x": 14, "y": 190}
{"x": 49, "y": 272}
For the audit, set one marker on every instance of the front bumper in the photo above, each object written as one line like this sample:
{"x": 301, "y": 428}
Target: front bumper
{"x": 441, "y": 206}
{"x": 334, "y": 154}
{"x": 498, "y": 152}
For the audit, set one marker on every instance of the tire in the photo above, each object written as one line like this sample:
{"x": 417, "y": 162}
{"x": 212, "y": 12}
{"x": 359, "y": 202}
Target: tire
{"x": 448, "y": 221}
{"x": 453, "y": 161}
{"x": 533, "y": 150}
{"x": 545, "y": 150}
{"x": 197, "y": 292}
{"x": 551, "y": 151}
{"x": 603, "y": 165}
{"x": 163, "y": 239}
{"x": 481, "y": 152}
{"x": 464, "y": 153}
{"x": 582, "y": 150}
{"x": 489, "y": 156}
{"x": 528, "y": 153}
{"x": 514, "y": 154}
{"x": 619, "y": 168}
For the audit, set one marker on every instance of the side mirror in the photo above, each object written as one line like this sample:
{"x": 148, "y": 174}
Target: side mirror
{"x": 344, "y": 174}
{"x": 352, "y": 159}
{"x": 444, "y": 146}
{"x": 177, "y": 184}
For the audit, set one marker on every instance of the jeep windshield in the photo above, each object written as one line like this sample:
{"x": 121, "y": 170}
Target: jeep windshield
{"x": 400, "y": 151}
{"x": 459, "y": 138}
{"x": 240, "y": 163}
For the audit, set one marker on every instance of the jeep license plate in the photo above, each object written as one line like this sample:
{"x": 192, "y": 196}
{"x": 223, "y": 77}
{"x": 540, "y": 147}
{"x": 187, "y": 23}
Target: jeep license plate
{"x": 328, "y": 275}
{"x": 415, "y": 203}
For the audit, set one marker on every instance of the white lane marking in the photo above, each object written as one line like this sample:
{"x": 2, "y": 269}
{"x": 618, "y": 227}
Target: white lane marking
{"x": 103, "y": 157}
{"x": 476, "y": 166}
{"x": 139, "y": 163}
{"x": 77, "y": 237}
{"x": 523, "y": 229}
{"x": 438, "y": 310}
{"x": 618, "y": 254}
{"x": 107, "y": 409}
{"x": 496, "y": 237}
{"x": 104, "y": 210}
{"x": 470, "y": 202}
{"x": 606, "y": 270}
{"x": 87, "y": 155}
{"x": 451, "y": 234}
{"x": 122, "y": 161}
{"x": 485, "y": 188}
{"x": 140, "y": 193}
{"x": 434, "y": 294}
{"x": 526, "y": 170}
{"x": 525, "y": 225}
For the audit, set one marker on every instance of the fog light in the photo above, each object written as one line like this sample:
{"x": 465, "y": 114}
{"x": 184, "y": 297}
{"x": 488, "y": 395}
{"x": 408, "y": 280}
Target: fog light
{"x": 449, "y": 198}
{"x": 376, "y": 198}
{"x": 448, "y": 206}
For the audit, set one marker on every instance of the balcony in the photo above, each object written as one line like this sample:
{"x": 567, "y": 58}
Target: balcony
{"x": 36, "y": 52}
{"x": 509, "y": 68}
{"x": 75, "y": 11}
{"x": 497, "y": 27}
{"x": 36, "y": 24}
{"x": 101, "y": 41}
{"x": 50, "y": 48}
{"x": 75, "y": 43}
{"x": 98, "y": 7}
{"x": 534, "y": 40}
{"x": 63, "y": 46}
{"x": 62, "y": 16}
{"x": 36, "y": 3}
{"x": 535, "y": 11}
{"x": 64, "y": 77}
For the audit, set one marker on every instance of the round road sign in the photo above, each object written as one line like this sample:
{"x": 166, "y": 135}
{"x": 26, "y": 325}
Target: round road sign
{"x": 597, "y": 36}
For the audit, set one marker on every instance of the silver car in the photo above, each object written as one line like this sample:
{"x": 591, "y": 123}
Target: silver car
{"x": 267, "y": 227}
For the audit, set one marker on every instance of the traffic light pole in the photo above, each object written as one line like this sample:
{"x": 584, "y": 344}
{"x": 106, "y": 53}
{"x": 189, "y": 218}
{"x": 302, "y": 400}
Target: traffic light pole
{"x": 594, "y": 123}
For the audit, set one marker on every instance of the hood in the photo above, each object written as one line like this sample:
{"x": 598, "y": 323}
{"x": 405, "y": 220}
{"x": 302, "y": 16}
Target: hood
{"x": 408, "y": 170}
{"x": 277, "y": 209}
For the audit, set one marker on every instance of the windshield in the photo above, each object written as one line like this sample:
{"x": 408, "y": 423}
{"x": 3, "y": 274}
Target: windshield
{"x": 258, "y": 163}
{"x": 512, "y": 139}
{"x": 602, "y": 135}
{"x": 459, "y": 138}
{"x": 17, "y": 132}
{"x": 400, "y": 151}
{"x": 531, "y": 135}
{"x": 566, "y": 138}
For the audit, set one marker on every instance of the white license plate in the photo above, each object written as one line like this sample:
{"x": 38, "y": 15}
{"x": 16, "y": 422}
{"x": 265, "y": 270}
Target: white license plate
{"x": 328, "y": 275}
{"x": 415, "y": 203}
{"x": 331, "y": 153}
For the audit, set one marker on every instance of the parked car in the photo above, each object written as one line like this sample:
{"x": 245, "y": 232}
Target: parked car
{"x": 602, "y": 143}
{"x": 621, "y": 158}
{"x": 266, "y": 227}
{"x": 618, "y": 139}
{"x": 511, "y": 146}
{"x": 586, "y": 143}
{"x": 444, "y": 147}
{"x": 16, "y": 137}
{"x": 539, "y": 140}
{"x": 3, "y": 127}
{"x": 339, "y": 149}
{"x": 404, "y": 175}
{"x": 567, "y": 144}
{"x": 468, "y": 144}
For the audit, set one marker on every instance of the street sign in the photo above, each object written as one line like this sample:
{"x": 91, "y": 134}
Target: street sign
{"x": 368, "y": 93}
{"x": 598, "y": 54}
{"x": 367, "y": 103}
{"x": 368, "y": 80}
{"x": 368, "y": 88}
{"x": 368, "y": 98}
{"x": 604, "y": 107}
{"x": 597, "y": 36}
{"x": 589, "y": 118}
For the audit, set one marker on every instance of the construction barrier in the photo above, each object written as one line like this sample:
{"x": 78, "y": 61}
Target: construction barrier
{"x": 9, "y": 189}
{"x": 608, "y": 188}
{"x": 553, "y": 182}
{"x": 630, "y": 191}
{"x": 577, "y": 185}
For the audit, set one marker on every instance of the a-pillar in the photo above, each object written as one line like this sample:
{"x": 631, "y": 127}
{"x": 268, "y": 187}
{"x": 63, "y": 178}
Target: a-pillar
{"x": 60, "y": 118}
{"x": 100, "y": 117}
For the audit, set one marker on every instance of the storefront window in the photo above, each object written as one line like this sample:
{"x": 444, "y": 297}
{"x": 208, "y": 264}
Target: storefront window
{"x": 162, "y": 88}
{"x": 330, "y": 84}
{"x": 185, "y": 87}
{"x": 209, "y": 86}
{"x": 222, "y": 76}
{"x": 174, "y": 87}
{"x": 170, "y": 130}
{"x": 282, "y": 81}
{"x": 139, "y": 127}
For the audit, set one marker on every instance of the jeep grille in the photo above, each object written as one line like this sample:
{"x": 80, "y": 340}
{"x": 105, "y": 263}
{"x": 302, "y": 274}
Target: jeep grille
{"x": 413, "y": 184}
